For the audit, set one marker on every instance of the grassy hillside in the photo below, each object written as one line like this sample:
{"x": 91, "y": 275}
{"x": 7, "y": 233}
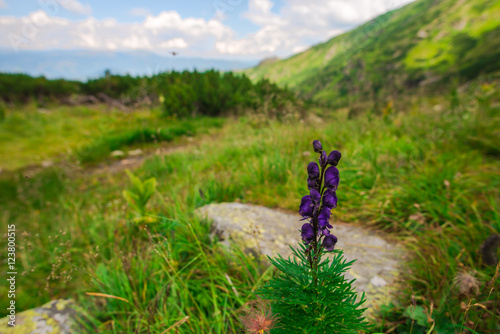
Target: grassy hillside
{"x": 424, "y": 44}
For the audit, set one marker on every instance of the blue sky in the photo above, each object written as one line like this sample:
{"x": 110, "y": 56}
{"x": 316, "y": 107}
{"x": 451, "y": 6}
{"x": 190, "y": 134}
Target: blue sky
{"x": 233, "y": 29}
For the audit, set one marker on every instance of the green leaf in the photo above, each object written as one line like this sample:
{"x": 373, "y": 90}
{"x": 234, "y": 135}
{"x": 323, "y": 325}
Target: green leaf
{"x": 417, "y": 313}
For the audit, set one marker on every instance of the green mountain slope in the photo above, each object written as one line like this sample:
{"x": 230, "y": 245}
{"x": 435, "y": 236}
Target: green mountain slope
{"x": 424, "y": 44}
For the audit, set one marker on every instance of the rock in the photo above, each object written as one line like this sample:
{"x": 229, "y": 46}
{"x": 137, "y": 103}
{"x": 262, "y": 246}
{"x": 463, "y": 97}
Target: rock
{"x": 47, "y": 163}
{"x": 269, "y": 232}
{"x": 135, "y": 153}
{"x": 378, "y": 282}
{"x": 117, "y": 154}
{"x": 422, "y": 34}
{"x": 55, "y": 317}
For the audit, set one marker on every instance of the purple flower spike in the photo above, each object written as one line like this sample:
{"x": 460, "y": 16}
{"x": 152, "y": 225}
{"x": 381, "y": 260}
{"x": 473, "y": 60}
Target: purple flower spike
{"x": 334, "y": 157}
{"x": 313, "y": 170}
{"x": 332, "y": 178}
{"x": 330, "y": 199}
{"x": 306, "y": 208}
{"x": 329, "y": 242}
{"x": 307, "y": 233}
{"x": 317, "y": 146}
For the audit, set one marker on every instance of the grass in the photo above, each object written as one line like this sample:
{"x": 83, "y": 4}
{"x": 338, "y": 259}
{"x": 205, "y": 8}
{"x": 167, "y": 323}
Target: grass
{"x": 417, "y": 173}
{"x": 85, "y": 134}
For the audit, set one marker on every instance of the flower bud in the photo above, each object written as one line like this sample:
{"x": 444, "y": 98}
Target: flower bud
{"x": 313, "y": 170}
{"x": 322, "y": 159}
{"x": 307, "y": 233}
{"x": 311, "y": 184}
{"x": 306, "y": 208}
{"x": 315, "y": 197}
{"x": 329, "y": 242}
{"x": 334, "y": 157}
{"x": 332, "y": 178}
{"x": 317, "y": 146}
{"x": 329, "y": 199}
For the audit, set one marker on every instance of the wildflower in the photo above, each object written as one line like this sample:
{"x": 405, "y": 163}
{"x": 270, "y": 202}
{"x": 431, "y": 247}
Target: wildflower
{"x": 315, "y": 197}
{"x": 307, "y": 233}
{"x": 322, "y": 159}
{"x": 330, "y": 199}
{"x": 467, "y": 283}
{"x": 317, "y": 146}
{"x": 333, "y": 158}
{"x": 323, "y": 218}
{"x": 258, "y": 317}
{"x": 313, "y": 170}
{"x": 306, "y": 207}
{"x": 311, "y": 183}
{"x": 329, "y": 242}
{"x": 317, "y": 206}
{"x": 332, "y": 178}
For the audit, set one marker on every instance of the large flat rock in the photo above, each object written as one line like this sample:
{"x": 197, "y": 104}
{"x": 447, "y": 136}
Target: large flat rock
{"x": 270, "y": 232}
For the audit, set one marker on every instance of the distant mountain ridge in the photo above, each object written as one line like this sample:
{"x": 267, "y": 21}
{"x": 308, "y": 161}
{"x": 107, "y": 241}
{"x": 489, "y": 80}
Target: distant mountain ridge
{"x": 83, "y": 64}
{"x": 425, "y": 43}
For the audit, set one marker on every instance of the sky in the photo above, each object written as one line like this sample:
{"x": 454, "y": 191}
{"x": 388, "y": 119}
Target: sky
{"x": 225, "y": 29}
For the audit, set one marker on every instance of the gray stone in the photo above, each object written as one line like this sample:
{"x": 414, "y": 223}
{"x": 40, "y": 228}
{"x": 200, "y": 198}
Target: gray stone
{"x": 55, "y": 317}
{"x": 270, "y": 232}
{"x": 117, "y": 153}
{"x": 135, "y": 153}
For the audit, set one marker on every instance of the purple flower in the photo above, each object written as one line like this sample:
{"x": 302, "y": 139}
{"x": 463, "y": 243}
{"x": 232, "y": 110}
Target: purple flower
{"x": 311, "y": 184}
{"x": 307, "y": 233}
{"x": 315, "y": 197}
{"x": 334, "y": 157}
{"x": 322, "y": 158}
{"x": 323, "y": 218}
{"x": 317, "y": 146}
{"x": 329, "y": 242}
{"x": 329, "y": 199}
{"x": 313, "y": 170}
{"x": 332, "y": 178}
{"x": 306, "y": 208}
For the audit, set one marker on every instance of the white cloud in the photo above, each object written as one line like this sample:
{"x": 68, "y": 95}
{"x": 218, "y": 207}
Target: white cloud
{"x": 163, "y": 32}
{"x": 75, "y": 7}
{"x": 175, "y": 43}
{"x": 3, "y": 5}
{"x": 139, "y": 12}
{"x": 294, "y": 28}
{"x": 300, "y": 24}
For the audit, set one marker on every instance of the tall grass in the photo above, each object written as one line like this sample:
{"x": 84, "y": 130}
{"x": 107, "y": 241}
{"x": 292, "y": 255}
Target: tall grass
{"x": 416, "y": 174}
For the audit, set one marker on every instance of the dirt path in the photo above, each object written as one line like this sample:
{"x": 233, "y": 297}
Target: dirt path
{"x": 117, "y": 165}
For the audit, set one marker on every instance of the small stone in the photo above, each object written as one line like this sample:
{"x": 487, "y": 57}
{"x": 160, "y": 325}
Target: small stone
{"x": 135, "y": 153}
{"x": 117, "y": 154}
{"x": 47, "y": 163}
{"x": 378, "y": 282}
{"x": 422, "y": 34}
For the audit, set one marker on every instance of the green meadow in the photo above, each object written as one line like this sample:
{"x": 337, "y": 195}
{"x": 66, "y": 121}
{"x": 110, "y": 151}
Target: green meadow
{"x": 427, "y": 174}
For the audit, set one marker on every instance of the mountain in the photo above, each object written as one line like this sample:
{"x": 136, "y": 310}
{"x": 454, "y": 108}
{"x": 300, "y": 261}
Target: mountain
{"x": 426, "y": 44}
{"x": 82, "y": 65}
